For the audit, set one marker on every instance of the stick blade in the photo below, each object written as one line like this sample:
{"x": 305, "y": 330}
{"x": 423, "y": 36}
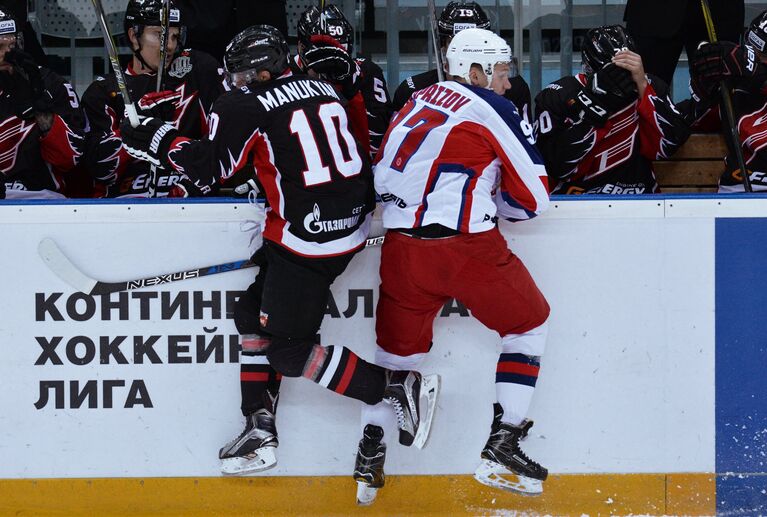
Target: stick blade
{"x": 57, "y": 262}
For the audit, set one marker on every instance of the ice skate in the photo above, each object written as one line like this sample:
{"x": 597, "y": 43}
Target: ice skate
{"x": 255, "y": 449}
{"x": 504, "y": 465}
{"x": 369, "y": 467}
{"x": 414, "y": 398}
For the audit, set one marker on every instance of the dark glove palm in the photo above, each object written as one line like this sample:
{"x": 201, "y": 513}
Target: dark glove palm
{"x": 334, "y": 64}
{"x": 160, "y": 105}
{"x": 724, "y": 60}
{"x": 616, "y": 84}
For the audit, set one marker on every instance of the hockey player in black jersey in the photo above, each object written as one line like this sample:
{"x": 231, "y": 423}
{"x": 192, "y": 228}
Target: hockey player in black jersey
{"x": 294, "y": 130}
{"x": 455, "y": 17}
{"x": 192, "y": 81}
{"x": 41, "y": 123}
{"x": 599, "y": 131}
{"x": 325, "y": 41}
{"x": 744, "y": 69}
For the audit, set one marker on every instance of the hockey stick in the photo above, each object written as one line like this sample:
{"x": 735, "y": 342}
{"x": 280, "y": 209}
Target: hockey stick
{"x": 57, "y": 262}
{"x": 114, "y": 59}
{"x": 164, "y": 34}
{"x": 729, "y": 112}
{"x": 435, "y": 40}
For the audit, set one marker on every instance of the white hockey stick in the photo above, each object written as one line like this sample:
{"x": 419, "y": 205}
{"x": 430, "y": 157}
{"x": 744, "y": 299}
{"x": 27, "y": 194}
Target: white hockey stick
{"x": 57, "y": 262}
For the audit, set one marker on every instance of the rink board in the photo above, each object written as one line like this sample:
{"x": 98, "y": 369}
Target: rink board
{"x": 652, "y": 369}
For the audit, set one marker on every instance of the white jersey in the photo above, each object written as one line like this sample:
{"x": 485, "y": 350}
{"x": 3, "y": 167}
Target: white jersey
{"x": 459, "y": 156}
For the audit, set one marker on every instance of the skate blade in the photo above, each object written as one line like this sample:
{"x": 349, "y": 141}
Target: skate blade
{"x": 366, "y": 494}
{"x": 263, "y": 459}
{"x": 497, "y": 476}
{"x": 429, "y": 392}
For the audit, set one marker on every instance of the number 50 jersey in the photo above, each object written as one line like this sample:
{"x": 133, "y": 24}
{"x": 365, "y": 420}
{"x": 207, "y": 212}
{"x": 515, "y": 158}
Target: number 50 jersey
{"x": 459, "y": 156}
{"x": 296, "y": 134}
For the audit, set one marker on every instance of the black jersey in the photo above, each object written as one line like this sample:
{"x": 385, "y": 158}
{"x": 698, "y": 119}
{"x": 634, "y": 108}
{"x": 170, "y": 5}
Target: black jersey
{"x": 375, "y": 95}
{"x": 613, "y": 159}
{"x": 377, "y": 102}
{"x": 198, "y": 80}
{"x": 519, "y": 93}
{"x": 316, "y": 176}
{"x": 750, "y": 109}
{"x": 31, "y": 161}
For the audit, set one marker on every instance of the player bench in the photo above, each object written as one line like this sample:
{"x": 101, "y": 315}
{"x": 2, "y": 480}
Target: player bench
{"x": 696, "y": 167}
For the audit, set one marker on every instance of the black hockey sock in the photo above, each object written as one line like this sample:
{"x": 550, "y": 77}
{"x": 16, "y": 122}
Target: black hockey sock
{"x": 339, "y": 369}
{"x": 256, "y": 376}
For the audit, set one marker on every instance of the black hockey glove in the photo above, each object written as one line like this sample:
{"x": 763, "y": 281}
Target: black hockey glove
{"x": 188, "y": 188}
{"x": 588, "y": 106}
{"x": 24, "y": 87}
{"x": 616, "y": 83}
{"x": 149, "y": 141}
{"x": 160, "y": 105}
{"x": 333, "y": 64}
{"x": 714, "y": 62}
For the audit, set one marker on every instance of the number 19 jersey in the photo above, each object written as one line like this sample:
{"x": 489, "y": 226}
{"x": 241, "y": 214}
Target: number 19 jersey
{"x": 459, "y": 156}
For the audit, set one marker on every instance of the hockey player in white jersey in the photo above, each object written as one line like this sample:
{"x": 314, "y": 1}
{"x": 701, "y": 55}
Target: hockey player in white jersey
{"x": 455, "y": 159}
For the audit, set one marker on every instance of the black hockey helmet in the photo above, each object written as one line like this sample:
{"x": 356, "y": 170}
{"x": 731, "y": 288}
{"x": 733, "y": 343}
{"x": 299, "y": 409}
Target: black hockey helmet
{"x": 457, "y": 16}
{"x": 756, "y": 34}
{"x": 9, "y": 27}
{"x": 328, "y": 22}
{"x": 257, "y": 48}
{"x": 142, "y": 13}
{"x": 602, "y": 43}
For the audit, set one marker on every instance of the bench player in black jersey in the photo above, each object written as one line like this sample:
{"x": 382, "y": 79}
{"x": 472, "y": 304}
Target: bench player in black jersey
{"x": 294, "y": 130}
{"x": 600, "y": 130}
{"x": 41, "y": 123}
{"x": 191, "y": 82}
{"x": 455, "y": 17}
{"x": 321, "y": 34}
{"x": 744, "y": 67}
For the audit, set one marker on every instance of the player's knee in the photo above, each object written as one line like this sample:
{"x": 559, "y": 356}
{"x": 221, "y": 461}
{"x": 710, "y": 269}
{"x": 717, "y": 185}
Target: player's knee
{"x": 289, "y": 355}
{"x": 531, "y": 343}
{"x": 247, "y": 313}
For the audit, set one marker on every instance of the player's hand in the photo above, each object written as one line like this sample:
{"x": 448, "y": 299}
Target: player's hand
{"x": 149, "y": 141}
{"x": 632, "y": 62}
{"x": 188, "y": 188}
{"x": 333, "y": 63}
{"x": 328, "y": 58}
{"x": 616, "y": 82}
{"x": 247, "y": 189}
{"x": 589, "y": 107}
{"x": 160, "y": 105}
{"x": 723, "y": 60}
{"x": 24, "y": 86}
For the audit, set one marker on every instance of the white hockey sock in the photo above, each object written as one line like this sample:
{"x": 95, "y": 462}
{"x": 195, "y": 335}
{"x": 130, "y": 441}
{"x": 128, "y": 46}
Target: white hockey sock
{"x": 382, "y": 414}
{"x": 517, "y": 372}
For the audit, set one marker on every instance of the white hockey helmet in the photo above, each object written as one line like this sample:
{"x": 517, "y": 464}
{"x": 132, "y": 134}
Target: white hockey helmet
{"x": 476, "y": 46}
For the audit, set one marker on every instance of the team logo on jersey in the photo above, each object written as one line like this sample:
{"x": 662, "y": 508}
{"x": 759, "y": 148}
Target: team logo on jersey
{"x": 12, "y": 132}
{"x": 181, "y": 66}
{"x": 314, "y": 224}
{"x": 263, "y": 319}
